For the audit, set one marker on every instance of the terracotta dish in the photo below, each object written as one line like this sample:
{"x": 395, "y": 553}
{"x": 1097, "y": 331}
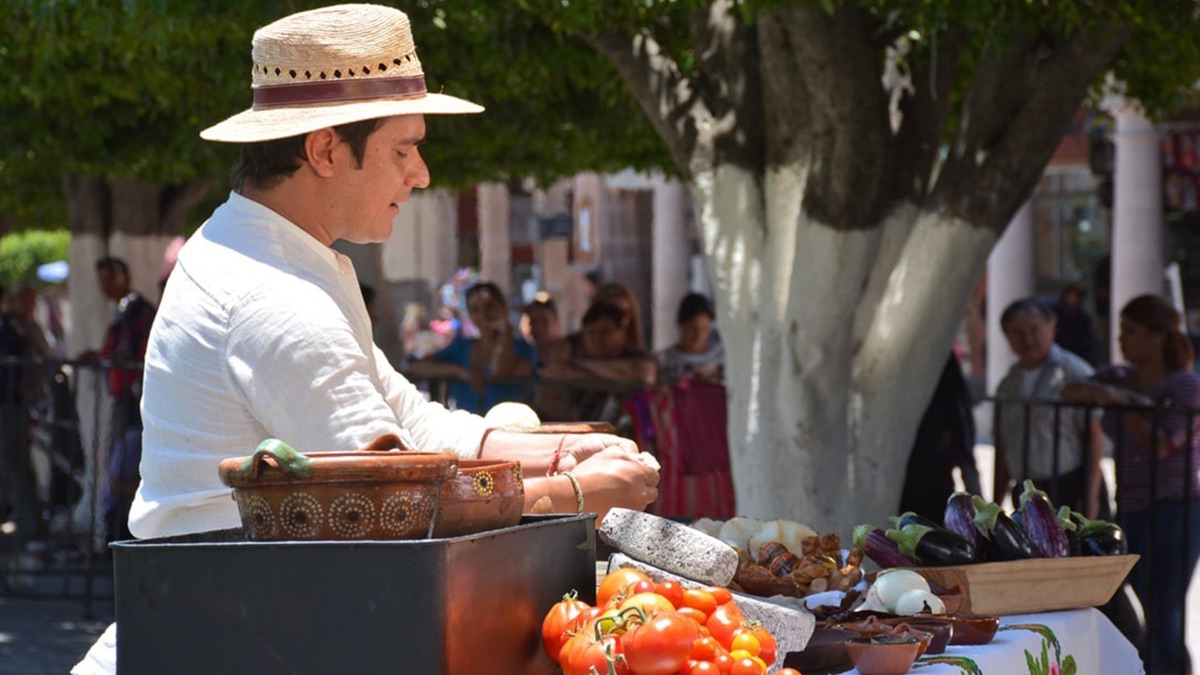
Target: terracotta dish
{"x": 484, "y": 495}
{"x": 939, "y": 630}
{"x": 883, "y": 654}
{"x": 973, "y": 630}
{"x": 369, "y": 494}
{"x": 875, "y": 627}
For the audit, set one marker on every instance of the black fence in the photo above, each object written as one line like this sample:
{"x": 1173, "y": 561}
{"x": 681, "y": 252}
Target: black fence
{"x": 1157, "y": 509}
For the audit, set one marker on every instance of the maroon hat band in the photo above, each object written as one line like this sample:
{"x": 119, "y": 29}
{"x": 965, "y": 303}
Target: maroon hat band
{"x": 325, "y": 91}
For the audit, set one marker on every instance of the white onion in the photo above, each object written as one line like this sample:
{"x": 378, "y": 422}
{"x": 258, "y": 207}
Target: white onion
{"x": 917, "y": 601}
{"x": 891, "y": 584}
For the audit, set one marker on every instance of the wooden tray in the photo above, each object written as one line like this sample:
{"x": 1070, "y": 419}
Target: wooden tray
{"x": 1036, "y": 585}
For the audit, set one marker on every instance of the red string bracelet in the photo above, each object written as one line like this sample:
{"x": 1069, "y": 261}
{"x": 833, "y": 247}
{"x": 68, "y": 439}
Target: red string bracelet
{"x": 554, "y": 461}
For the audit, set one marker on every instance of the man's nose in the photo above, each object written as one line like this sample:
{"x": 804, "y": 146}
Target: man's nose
{"x": 420, "y": 173}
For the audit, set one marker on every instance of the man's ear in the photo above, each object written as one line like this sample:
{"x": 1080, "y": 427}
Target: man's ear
{"x": 319, "y": 147}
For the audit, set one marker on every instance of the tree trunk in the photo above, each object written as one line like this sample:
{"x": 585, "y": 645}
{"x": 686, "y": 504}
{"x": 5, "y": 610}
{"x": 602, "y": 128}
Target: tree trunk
{"x": 827, "y": 386}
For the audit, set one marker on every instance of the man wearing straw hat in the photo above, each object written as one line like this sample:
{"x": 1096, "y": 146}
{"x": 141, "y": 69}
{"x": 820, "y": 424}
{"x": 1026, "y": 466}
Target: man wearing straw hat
{"x": 262, "y": 330}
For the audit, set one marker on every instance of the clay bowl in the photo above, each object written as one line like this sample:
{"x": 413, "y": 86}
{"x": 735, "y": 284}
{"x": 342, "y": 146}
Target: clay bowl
{"x": 825, "y": 652}
{"x": 883, "y": 654}
{"x": 282, "y": 494}
{"x": 973, "y": 630}
{"x": 875, "y": 627}
{"x": 484, "y": 495}
{"x": 940, "y": 631}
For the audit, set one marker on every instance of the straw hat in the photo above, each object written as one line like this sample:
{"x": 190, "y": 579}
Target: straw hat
{"x": 331, "y": 66}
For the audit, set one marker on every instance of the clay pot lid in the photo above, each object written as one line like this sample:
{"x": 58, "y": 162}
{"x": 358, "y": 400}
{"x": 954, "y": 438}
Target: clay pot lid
{"x": 277, "y": 463}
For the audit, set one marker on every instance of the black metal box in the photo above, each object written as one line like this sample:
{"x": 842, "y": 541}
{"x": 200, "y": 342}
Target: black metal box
{"x": 214, "y": 603}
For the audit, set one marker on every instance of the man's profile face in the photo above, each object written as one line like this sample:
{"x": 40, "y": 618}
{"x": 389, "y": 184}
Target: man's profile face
{"x": 370, "y": 195}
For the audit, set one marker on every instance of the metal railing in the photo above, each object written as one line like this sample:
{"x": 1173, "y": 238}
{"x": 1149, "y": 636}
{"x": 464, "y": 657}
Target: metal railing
{"x": 1157, "y": 604}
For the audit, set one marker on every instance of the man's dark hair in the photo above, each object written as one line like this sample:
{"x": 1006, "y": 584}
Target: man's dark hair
{"x": 265, "y": 164}
{"x": 604, "y": 310}
{"x": 111, "y": 263}
{"x": 548, "y": 304}
{"x": 1032, "y": 305}
{"x": 693, "y": 305}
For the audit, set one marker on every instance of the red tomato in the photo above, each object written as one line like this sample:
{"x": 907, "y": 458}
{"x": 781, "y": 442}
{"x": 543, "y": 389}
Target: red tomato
{"x": 699, "y": 599}
{"x": 693, "y": 614}
{"x": 724, "y": 662}
{"x": 646, "y": 586}
{"x": 660, "y": 646}
{"x": 746, "y": 666}
{"x": 703, "y": 668}
{"x": 586, "y": 654}
{"x": 617, "y": 582}
{"x": 705, "y": 649}
{"x": 766, "y": 642}
{"x": 558, "y": 620}
{"x": 721, "y": 594}
{"x": 671, "y": 591}
{"x": 788, "y": 671}
{"x": 724, "y": 620}
{"x": 651, "y": 604}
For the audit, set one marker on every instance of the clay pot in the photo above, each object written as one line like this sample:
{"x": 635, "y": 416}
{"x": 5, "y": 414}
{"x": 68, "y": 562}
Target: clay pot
{"x": 873, "y": 626}
{"x": 940, "y": 629}
{"x": 369, "y": 494}
{"x": 883, "y": 654}
{"x": 484, "y": 495}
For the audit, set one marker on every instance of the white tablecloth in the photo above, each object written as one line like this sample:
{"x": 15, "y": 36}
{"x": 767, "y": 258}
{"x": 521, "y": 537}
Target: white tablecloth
{"x": 1071, "y": 642}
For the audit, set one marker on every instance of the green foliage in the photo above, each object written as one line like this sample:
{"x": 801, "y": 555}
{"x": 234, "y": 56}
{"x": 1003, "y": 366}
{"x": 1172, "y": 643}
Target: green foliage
{"x": 22, "y": 253}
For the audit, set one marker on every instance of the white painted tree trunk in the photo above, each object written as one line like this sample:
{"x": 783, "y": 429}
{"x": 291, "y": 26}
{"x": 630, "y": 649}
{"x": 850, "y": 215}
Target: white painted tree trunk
{"x": 834, "y": 340}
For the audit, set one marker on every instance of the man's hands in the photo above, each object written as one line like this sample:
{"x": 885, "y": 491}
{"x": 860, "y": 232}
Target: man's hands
{"x": 613, "y": 478}
{"x": 578, "y": 447}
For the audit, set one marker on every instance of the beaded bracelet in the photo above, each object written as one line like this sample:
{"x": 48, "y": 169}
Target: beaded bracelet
{"x": 578, "y": 491}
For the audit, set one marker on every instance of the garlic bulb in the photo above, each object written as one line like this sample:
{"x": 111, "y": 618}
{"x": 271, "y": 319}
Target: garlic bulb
{"x": 787, "y": 532}
{"x": 737, "y": 531}
{"x": 891, "y": 584}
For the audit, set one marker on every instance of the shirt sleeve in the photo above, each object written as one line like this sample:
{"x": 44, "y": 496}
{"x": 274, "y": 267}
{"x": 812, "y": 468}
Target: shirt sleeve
{"x": 434, "y": 427}
{"x": 303, "y": 373}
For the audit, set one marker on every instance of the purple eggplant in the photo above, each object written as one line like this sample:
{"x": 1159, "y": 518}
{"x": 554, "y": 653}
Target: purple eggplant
{"x": 876, "y": 546}
{"x": 1041, "y": 524}
{"x": 1071, "y": 529}
{"x": 934, "y": 546}
{"x": 1004, "y": 538}
{"x": 1095, "y": 537}
{"x": 960, "y": 519}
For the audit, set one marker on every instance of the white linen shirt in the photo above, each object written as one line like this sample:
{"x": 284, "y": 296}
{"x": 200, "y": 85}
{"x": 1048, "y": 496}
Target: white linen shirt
{"x": 262, "y": 333}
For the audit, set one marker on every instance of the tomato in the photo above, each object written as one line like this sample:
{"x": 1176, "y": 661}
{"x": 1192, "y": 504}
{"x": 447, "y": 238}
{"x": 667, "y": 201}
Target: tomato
{"x": 703, "y": 668}
{"x": 693, "y": 614}
{"x": 671, "y": 591}
{"x": 724, "y": 620}
{"x": 744, "y": 640}
{"x": 699, "y": 599}
{"x": 787, "y": 671}
{"x": 660, "y": 646}
{"x": 558, "y": 620}
{"x": 651, "y": 604}
{"x": 721, "y": 594}
{"x": 705, "y": 649}
{"x": 724, "y": 662}
{"x": 617, "y": 582}
{"x": 767, "y": 647}
{"x": 747, "y": 666}
{"x": 646, "y": 586}
{"x": 587, "y": 653}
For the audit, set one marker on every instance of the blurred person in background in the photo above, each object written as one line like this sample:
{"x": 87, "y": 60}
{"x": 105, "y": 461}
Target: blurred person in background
{"x": 1040, "y": 374}
{"x": 17, "y": 381}
{"x": 697, "y": 354}
{"x": 542, "y": 328}
{"x": 475, "y": 363}
{"x": 1075, "y": 332}
{"x": 618, "y": 294}
{"x": 1157, "y": 372}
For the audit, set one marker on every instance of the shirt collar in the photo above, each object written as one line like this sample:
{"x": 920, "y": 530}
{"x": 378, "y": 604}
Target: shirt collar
{"x": 285, "y": 228}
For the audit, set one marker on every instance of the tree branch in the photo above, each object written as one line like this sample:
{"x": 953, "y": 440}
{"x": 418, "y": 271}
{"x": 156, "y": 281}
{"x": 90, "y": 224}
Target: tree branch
{"x": 1020, "y": 104}
{"x": 663, "y": 92}
{"x": 924, "y": 113}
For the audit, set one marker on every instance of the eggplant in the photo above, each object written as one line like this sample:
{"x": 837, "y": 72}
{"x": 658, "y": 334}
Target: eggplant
{"x": 1071, "y": 528}
{"x": 960, "y": 519}
{"x": 934, "y": 546}
{"x": 912, "y": 518}
{"x": 1041, "y": 524}
{"x": 876, "y": 546}
{"x": 1096, "y": 537}
{"x": 1005, "y": 539}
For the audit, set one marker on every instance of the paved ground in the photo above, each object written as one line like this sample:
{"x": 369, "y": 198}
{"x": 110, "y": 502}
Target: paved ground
{"x": 47, "y": 636}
